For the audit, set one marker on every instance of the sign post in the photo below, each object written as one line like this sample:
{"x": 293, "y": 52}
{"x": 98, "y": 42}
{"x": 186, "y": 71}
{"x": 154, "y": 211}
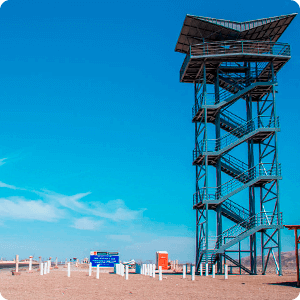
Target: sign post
{"x": 104, "y": 259}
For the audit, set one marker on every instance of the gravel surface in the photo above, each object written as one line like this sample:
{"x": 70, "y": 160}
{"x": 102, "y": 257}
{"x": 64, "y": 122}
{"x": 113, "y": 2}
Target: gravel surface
{"x": 57, "y": 285}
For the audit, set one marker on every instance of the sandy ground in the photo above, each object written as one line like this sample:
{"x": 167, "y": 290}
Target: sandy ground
{"x": 57, "y": 285}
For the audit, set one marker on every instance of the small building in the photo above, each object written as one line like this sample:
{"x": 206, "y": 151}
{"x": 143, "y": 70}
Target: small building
{"x": 162, "y": 259}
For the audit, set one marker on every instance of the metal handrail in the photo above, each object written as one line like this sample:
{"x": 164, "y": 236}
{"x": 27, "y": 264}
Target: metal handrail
{"x": 212, "y": 145}
{"x": 261, "y": 218}
{"x": 234, "y": 162}
{"x": 237, "y": 82}
{"x": 244, "y": 46}
{"x": 236, "y": 47}
{"x": 231, "y": 117}
{"x": 215, "y": 193}
{"x": 236, "y": 208}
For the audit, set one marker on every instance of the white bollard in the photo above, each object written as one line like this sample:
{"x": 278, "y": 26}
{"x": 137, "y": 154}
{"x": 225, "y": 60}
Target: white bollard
{"x": 30, "y": 263}
{"x": 98, "y": 270}
{"x": 150, "y": 270}
{"x": 183, "y": 271}
{"x": 122, "y": 270}
{"x": 126, "y": 272}
{"x": 48, "y": 269}
{"x": 45, "y": 268}
{"x": 193, "y": 273}
{"x": 153, "y": 271}
{"x": 206, "y": 269}
{"x": 41, "y": 269}
{"x": 226, "y": 271}
{"x": 69, "y": 270}
{"x": 214, "y": 271}
{"x": 201, "y": 270}
{"x": 160, "y": 273}
{"x": 90, "y": 269}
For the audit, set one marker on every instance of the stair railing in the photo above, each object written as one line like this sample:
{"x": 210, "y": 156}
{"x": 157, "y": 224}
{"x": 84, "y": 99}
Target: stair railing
{"x": 261, "y": 218}
{"x": 237, "y": 209}
{"x": 214, "y": 193}
{"x": 211, "y": 145}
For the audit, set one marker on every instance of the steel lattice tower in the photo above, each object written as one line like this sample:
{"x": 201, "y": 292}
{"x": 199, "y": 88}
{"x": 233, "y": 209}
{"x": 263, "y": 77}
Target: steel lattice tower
{"x": 234, "y": 66}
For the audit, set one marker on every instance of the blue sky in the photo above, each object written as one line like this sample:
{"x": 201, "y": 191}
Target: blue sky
{"x": 96, "y": 136}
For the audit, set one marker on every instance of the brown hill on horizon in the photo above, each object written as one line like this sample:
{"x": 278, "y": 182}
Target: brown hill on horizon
{"x": 288, "y": 262}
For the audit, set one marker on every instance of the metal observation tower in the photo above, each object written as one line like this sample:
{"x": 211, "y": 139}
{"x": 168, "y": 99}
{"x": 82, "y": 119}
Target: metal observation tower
{"x": 234, "y": 66}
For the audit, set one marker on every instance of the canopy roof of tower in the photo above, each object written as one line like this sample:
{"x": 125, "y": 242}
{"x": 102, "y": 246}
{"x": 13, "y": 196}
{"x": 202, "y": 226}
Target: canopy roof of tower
{"x": 195, "y": 30}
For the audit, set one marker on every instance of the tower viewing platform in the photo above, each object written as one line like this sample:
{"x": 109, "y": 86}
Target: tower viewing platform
{"x": 234, "y": 67}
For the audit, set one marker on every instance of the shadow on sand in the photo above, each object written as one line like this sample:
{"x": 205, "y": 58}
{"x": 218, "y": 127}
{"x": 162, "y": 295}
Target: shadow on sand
{"x": 287, "y": 283}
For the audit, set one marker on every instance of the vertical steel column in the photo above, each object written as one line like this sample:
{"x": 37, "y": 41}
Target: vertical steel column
{"x": 206, "y": 162}
{"x": 250, "y": 167}
{"x": 276, "y": 166}
{"x": 218, "y": 171}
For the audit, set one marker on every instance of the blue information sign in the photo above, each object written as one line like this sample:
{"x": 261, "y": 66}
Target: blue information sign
{"x": 104, "y": 260}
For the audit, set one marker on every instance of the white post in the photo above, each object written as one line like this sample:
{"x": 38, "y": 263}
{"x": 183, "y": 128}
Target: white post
{"x": 122, "y": 270}
{"x": 201, "y": 270}
{"x": 48, "y": 270}
{"x": 183, "y": 271}
{"x": 41, "y": 269}
{"x": 206, "y": 269}
{"x": 90, "y": 269}
{"x": 226, "y": 271}
{"x": 160, "y": 273}
{"x": 17, "y": 263}
{"x": 193, "y": 273}
{"x": 69, "y": 269}
{"x": 97, "y": 274}
{"x": 214, "y": 271}
{"x": 126, "y": 272}
{"x": 150, "y": 270}
{"x": 45, "y": 268}
{"x": 30, "y": 263}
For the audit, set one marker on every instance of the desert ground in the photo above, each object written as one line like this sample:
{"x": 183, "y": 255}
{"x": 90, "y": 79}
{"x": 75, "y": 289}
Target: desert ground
{"x": 56, "y": 285}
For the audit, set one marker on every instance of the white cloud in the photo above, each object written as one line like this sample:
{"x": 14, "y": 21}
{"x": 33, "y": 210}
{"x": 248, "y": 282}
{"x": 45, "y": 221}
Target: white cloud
{"x": 120, "y": 237}
{"x": 20, "y": 208}
{"x": 116, "y": 210}
{"x": 71, "y": 202}
{"x": 87, "y": 224}
{"x": 2, "y": 161}
{"x": 5, "y": 185}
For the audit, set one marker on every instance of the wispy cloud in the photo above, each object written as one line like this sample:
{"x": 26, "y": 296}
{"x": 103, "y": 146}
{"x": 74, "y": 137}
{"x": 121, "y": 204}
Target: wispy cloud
{"x": 120, "y": 237}
{"x": 20, "y": 208}
{"x": 51, "y": 205}
{"x": 116, "y": 210}
{"x": 71, "y": 202}
{"x": 87, "y": 224}
{"x": 2, "y": 161}
{"x": 5, "y": 185}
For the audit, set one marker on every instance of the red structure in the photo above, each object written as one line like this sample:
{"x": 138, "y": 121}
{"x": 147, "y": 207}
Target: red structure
{"x": 162, "y": 259}
{"x": 297, "y": 241}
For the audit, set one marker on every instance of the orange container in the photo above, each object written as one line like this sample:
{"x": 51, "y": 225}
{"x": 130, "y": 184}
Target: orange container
{"x": 162, "y": 259}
